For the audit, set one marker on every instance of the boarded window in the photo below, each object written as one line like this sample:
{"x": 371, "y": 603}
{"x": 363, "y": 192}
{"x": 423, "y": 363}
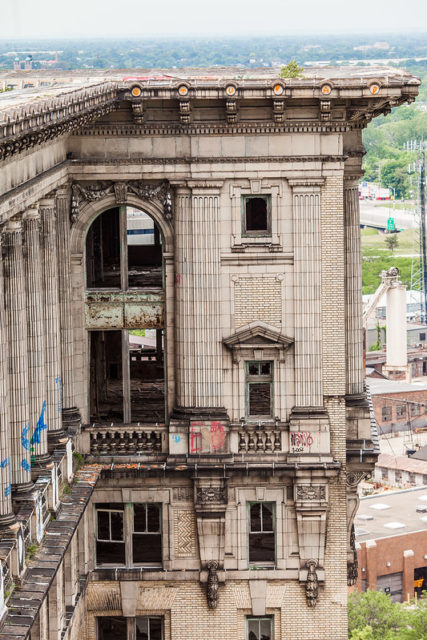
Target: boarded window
{"x": 261, "y": 533}
{"x": 259, "y": 628}
{"x": 259, "y": 388}
{"x": 256, "y": 215}
{"x": 110, "y": 540}
{"x": 147, "y": 535}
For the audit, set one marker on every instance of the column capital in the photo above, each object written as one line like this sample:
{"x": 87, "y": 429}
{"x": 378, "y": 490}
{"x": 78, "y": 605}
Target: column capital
{"x": 306, "y": 185}
{"x": 33, "y": 213}
{"x": 13, "y": 226}
{"x": 205, "y": 186}
{"x": 63, "y": 192}
{"x": 47, "y": 203}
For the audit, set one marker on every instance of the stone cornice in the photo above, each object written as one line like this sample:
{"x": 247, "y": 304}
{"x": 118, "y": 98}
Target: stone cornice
{"x": 75, "y": 163}
{"x": 36, "y": 123}
{"x": 216, "y": 128}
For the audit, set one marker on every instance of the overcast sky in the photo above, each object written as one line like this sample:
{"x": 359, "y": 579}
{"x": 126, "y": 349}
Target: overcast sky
{"x": 97, "y": 18}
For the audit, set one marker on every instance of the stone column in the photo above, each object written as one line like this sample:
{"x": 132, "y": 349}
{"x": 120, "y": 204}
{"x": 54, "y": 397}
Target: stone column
{"x": 6, "y": 513}
{"x": 52, "y": 331}
{"x": 307, "y": 293}
{"x": 16, "y": 320}
{"x": 353, "y": 289}
{"x": 63, "y": 199}
{"x": 199, "y": 375}
{"x": 36, "y": 338}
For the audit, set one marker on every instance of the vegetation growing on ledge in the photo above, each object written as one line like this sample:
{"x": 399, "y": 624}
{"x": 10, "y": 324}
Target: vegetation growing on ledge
{"x": 291, "y": 70}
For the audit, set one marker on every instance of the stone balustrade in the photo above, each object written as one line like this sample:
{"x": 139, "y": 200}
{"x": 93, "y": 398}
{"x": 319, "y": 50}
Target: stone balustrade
{"x": 127, "y": 441}
{"x": 260, "y": 439}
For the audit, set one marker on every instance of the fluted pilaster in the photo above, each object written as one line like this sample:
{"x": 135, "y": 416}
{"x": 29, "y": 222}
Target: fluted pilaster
{"x": 52, "y": 331}
{"x": 16, "y": 321}
{"x": 6, "y": 513}
{"x": 36, "y": 337}
{"x": 64, "y": 282}
{"x": 307, "y": 294}
{"x": 199, "y": 373}
{"x": 353, "y": 289}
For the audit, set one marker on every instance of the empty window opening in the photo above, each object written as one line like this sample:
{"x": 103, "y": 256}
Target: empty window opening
{"x": 144, "y": 250}
{"x": 103, "y": 251}
{"x": 110, "y": 540}
{"x": 386, "y": 414}
{"x": 106, "y": 374}
{"x": 124, "y": 249}
{"x": 261, "y": 533}
{"x": 259, "y": 628}
{"x": 110, "y": 628}
{"x": 147, "y": 375}
{"x": 256, "y": 215}
{"x": 128, "y": 389}
{"x": 147, "y": 536}
{"x": 139, "y": 628}
{"x": 259, "y": 389}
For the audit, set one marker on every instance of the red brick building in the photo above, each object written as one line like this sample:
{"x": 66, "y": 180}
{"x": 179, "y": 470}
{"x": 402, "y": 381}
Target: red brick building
{"x": 391, "y": 542}
{"x": 398, "y": 405}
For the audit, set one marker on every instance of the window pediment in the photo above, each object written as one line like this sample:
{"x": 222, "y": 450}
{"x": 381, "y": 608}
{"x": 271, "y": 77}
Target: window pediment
{"x": 258, "y": 335}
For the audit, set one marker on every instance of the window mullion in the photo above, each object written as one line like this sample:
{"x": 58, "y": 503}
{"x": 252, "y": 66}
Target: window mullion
{"x": 126, "y": 377}
{"x": 123, "y": 249}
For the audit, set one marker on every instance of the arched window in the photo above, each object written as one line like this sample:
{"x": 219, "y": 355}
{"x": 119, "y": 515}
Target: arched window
{"x": 123, "y": 250}
{"x": 123, "y": 260}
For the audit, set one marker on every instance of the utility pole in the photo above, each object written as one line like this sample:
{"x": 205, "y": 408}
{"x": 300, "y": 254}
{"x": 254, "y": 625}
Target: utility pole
{"x": 423, "y": 227}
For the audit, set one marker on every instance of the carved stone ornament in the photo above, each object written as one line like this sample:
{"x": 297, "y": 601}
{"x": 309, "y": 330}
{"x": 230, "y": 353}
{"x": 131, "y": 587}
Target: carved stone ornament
{"x": 352, "y": 568}
{"x": 209, "y": 495}
{"x": 311, "y": 492}
{"x": 354, "y": 477}
{"x": 93, "y": 191}
{"x": 312, "y": 584}
{"x": 212, "y": 585}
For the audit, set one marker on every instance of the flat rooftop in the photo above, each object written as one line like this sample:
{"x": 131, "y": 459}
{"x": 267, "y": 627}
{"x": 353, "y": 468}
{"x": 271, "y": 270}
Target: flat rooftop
{"x": 391, "y": 513}
{"x": 380, "y": 386}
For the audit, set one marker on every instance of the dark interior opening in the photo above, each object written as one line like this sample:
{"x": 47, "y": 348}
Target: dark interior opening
{"x": 106, "y": 377}
{"x": 103, "y": 251}
{"x": 261, "y": 535}
{"x": 147, "y": 537}
{"x": 256, "y": 215}
{"x": 144, "y": 250}
{"x": 110, "y": 628}
{"x": 147, "y": 376}
{"x": 149, "y": 628}
{"x": 110, "y": 541}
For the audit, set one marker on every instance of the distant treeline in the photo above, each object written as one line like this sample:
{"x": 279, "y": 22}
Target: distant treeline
{"x": 204, "y": 52}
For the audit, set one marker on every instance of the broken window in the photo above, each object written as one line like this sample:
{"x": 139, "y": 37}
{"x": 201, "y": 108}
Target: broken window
{"x": 110, "y": 539}
{"x": 386, "y": 414}
{"x": 112, "y": 628}
{"x": 144, "y": 250}
{"x": 103, "y": 251}
{"x": 147, "y": 536}
{"x": 130, "y": 389}
{"x": 401, "y": 411}
{"x": 147, "y": 376}
{"x": 261, "y": 533}
{"x": 106, "y": 376}
{"x": 259, "y": 628}
{"x": 139, "y": 628}
{"x": 259, "y": 389}
{"x": 123, "y": 249}
{"x": 256, "y": 216}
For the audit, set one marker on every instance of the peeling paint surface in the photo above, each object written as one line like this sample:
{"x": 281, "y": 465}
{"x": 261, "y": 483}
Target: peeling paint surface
{"x": 125, "y": 310}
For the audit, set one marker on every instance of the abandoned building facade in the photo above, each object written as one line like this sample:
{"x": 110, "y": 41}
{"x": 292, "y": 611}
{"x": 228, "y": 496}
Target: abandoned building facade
{"x": 182, "y": 406}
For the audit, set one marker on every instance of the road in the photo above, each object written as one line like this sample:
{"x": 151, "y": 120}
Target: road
{"x": 371, "y": 213}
